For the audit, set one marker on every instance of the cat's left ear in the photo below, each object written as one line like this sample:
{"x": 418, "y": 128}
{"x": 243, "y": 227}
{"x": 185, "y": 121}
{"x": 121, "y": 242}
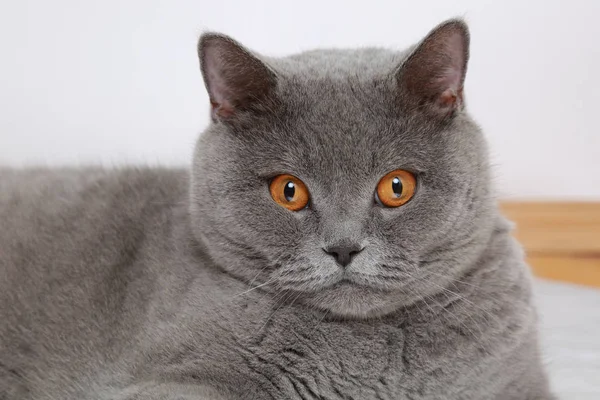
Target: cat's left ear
{"x": 237, "y": 81}
{"x": 431, "y": 79}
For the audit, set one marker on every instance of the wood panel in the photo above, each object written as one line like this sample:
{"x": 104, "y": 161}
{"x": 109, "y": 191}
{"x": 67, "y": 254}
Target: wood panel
{"x": 583, "y": 271}
{"x": 557, "y": 227}
{"x": 562, "y": 240}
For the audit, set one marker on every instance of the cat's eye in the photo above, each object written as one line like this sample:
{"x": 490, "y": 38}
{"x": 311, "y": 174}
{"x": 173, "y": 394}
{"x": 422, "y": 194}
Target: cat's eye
{"x": 289, "y": 192}
{"x": 396, "y": 188}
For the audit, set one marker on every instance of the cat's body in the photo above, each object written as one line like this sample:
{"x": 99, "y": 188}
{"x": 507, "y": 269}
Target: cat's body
{"x": 105, "y": 290}
{"x": 158, "y": 284}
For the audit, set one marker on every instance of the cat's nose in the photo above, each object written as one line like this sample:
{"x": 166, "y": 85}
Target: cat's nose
{"x": 343, "y": 252}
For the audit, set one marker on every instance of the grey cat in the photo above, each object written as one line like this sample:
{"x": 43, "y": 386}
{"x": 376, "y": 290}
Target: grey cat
{"x": 336, "y": 238}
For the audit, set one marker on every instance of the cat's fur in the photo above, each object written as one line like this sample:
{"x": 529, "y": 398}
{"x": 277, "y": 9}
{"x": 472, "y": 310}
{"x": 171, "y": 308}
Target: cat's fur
{"x": 164, "y": 284}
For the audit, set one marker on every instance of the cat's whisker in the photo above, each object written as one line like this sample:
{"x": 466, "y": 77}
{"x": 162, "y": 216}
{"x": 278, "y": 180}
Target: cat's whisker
{"x": 453, "y": 315}
{"x": 259, "y": 272}
{"x": 454, "y": 280}
{"x": 295, "y": 298}
{"x": 424, "y": 298}
{"x": 450, "y": 312}
{"x": 464, "y": 308}
{"x": 271, "y": 300}
{"x": 416, "y": 304}
{"x": 466, "y": 311}
{"x": 470, "y": 369}
{"x": 254, "y": 288}
{"x": 318, "y": 323}
{"x": 461, "y": 297}
{"x": 286, "y": 296}
{"x": 443, "y": 316}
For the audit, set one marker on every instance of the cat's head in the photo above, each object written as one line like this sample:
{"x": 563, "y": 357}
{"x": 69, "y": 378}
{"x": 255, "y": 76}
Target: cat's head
{"x": 351, "y": 181}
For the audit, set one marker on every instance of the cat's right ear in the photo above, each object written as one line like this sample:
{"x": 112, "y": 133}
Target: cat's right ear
{"x": 236, "y": 80}
{"x": 432, "y": 77}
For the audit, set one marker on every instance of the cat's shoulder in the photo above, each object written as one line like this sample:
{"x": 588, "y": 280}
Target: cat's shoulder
{"x": 27, "y": 186}
{"x": 38, "y": 203}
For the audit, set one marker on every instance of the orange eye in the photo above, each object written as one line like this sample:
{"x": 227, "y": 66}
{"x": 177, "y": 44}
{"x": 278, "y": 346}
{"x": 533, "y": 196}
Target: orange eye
{"x": 289, "y": 192}
{"x": 396, "y": 188}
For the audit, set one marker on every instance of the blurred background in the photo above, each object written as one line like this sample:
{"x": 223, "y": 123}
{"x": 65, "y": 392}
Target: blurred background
{"x": 117, "y": 82}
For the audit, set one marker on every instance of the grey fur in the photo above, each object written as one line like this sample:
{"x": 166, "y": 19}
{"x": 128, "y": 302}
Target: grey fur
{"x": 164, "y": 284}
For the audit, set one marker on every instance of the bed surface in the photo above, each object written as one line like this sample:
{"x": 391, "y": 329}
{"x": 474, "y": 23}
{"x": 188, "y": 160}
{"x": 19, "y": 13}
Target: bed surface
{"x": 570, "y": 318}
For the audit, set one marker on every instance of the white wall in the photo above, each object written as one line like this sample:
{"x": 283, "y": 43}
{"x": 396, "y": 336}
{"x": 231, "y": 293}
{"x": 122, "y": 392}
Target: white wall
{"x": 117, "y": 81}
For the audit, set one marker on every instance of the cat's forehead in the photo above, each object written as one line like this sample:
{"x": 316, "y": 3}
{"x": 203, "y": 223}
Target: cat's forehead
{"x": 338, "y": 128}
{"x": 361, "y": 63}
{"x": 346, "y": 89}
{"x": 341, "y": 116}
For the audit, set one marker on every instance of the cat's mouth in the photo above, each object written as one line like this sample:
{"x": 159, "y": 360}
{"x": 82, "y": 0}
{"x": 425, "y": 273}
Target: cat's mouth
{"x": 354, "y": 280}
{"x": 345, "y": 281}
{"x": 348, "y": 298}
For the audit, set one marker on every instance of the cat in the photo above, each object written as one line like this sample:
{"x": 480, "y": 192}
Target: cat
{"x": 336, "y": 237}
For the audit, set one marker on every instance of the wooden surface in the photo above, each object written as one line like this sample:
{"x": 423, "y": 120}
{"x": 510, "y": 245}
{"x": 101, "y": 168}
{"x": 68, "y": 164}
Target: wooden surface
{"x": 562, "y": 240}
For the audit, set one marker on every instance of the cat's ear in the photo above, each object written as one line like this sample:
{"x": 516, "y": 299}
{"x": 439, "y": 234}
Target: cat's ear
{"x": 431, "y": 78}
{"x": 236, "y": 80}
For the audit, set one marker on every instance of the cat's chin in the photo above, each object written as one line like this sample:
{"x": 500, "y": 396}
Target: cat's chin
{"x": 351, "y": 301}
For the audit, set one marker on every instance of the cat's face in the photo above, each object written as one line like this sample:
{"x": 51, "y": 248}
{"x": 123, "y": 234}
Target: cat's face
{"x": 339, "y": 131}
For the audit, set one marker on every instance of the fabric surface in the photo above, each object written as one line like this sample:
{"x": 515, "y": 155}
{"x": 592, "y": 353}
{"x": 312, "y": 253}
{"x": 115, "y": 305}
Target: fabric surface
{"x": 571, "y": 338}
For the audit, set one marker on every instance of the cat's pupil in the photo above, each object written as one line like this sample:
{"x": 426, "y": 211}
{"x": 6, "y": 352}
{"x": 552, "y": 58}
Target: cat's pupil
{"x": 397, "y": 186}
{"x": 289, "y": 191}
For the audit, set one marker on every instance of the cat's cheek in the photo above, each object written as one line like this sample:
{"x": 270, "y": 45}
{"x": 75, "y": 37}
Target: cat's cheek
{"x": 401, "y": 227}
